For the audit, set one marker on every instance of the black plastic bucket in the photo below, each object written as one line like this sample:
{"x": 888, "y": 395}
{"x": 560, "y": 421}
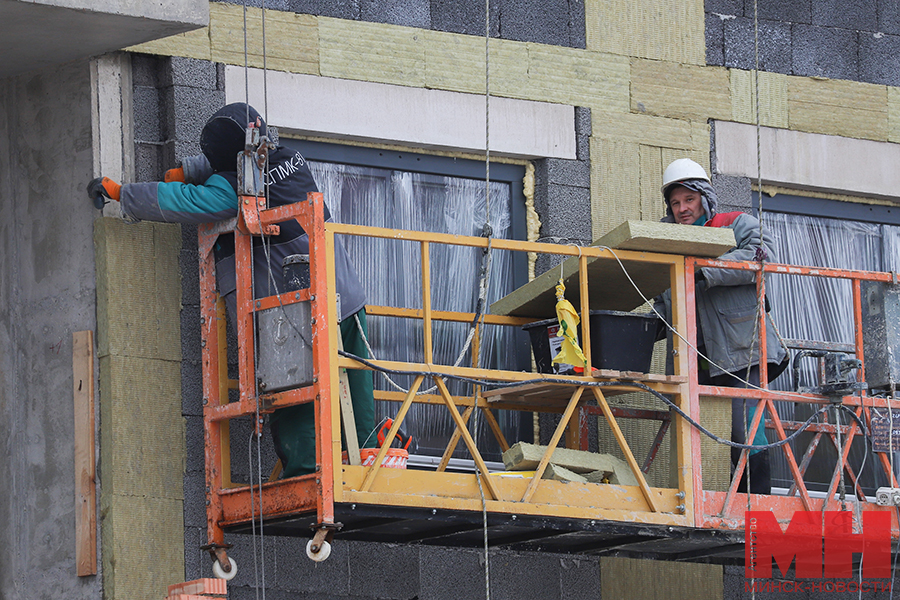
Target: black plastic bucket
{"x": 620, "y": 341}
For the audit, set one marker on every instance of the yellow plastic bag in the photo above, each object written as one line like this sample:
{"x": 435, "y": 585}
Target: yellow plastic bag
{"x": 570, "y": 353}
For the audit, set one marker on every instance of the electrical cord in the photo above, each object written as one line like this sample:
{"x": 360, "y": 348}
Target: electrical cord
{"x": 600, "y": 384}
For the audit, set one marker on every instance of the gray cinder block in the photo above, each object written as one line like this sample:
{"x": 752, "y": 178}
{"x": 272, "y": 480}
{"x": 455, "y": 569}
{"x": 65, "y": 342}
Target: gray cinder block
{"x": 824, "y": 52}
{"x": 846, "y": 14}
{"x": 774, "y": 45}
{"x": 879, "y": 58}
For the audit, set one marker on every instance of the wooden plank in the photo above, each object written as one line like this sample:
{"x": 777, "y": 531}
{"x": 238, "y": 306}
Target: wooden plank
{"x": 608, "y": 286}
{"x": 554, "y": 441}
{"x": 539, "y": 395}
{"x": 626, "y": 450}
{"x": 347, "y": 416}
{"x": 85, "y": 458}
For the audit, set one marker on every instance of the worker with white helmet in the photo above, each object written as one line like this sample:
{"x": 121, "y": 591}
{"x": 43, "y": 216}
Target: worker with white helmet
{"x": 726, "y": 305}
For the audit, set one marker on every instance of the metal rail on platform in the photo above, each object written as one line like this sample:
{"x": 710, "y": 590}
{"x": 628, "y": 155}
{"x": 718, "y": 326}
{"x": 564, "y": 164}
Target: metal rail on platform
{"x": 685, "y": 506}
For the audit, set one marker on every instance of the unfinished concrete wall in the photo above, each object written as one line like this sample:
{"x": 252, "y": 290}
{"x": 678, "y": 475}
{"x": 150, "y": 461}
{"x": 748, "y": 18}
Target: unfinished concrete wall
{"x": 47, "y": 291}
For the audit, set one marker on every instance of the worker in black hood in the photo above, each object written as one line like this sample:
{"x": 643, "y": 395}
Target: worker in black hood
{"x": 204, "y": 189}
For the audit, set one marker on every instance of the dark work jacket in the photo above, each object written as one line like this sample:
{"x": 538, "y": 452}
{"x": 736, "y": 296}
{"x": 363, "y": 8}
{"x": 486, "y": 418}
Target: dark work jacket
{"x": 215, "y": 199}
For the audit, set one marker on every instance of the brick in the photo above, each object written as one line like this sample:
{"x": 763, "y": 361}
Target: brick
{"x": 189, "y": 72}
{"x": 463, "y": 16}
{"x": 291, "y": 39}
{"x": 339, "y": 9}
{"x": 773, "y": 108}
{"x": 384, "y": 570}
{"x": 207, "y": 586}
{"x": 715, "y": 42}
{"x": 669, "y": 30}
{"x": 824, "y": 52}
{"x": 889, "y": 16}
{"x": 581, "y": 578}
{"x": 795, "y": 11}
{"x": 725, "y": 7}
{"x": 451, "y": 573}
{"x": 369, "y": 52}
{"x": 543, "y": 21}
{"x": 844, "y": 108}
{"x": 568, "y": 76}
{"x": 409, "y": 13}
{"x": 846, "y": 14}
{"x": 879, "y": 58}
{"x": 681, "y": 91}
{"x": 774, "y": 45}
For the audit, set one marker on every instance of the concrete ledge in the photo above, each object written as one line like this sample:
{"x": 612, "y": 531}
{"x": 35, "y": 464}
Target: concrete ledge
{"x": 358, "y": 110}
{"x": 810, "y": 161}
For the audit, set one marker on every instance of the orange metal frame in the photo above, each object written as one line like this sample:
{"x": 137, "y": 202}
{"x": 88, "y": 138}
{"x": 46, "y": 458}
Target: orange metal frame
{"x": 689, "y": 505}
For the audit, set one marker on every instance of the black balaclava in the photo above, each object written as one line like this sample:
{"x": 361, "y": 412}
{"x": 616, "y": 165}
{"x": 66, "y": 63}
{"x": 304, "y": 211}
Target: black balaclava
{"x": 222, "y": 138}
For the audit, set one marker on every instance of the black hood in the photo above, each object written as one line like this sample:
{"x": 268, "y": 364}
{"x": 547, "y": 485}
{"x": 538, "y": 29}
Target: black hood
{"x": 223, "y": 135}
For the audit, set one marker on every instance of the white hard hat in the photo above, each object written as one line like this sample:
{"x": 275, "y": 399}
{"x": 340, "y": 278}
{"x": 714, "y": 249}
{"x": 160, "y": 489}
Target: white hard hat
{"x": 681, "y": 170}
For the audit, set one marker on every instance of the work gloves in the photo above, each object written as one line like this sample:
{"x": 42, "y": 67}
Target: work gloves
{"x": 174, "y": 175}
{"x": 103, "y": 187}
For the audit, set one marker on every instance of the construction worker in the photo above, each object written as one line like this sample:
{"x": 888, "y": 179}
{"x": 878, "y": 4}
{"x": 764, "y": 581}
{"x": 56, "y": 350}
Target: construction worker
{"x": 727, "y": 318}
{"x": 204, "y": 189}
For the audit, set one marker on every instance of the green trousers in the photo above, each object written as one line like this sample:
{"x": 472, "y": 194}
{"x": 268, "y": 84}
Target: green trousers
{"x": 293, "y": 428}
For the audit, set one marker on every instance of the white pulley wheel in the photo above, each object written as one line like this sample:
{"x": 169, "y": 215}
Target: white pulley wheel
{"x": 323, "y": 553}
{"x": 219, "y": 572}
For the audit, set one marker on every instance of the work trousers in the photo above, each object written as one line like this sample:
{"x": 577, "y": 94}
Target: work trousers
{"x": 760, "y": 477}
{"x": 293, "y": 428}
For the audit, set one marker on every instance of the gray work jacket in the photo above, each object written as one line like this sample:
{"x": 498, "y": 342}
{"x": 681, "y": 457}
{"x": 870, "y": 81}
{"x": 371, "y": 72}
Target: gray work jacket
{"x": 726, "y": 302}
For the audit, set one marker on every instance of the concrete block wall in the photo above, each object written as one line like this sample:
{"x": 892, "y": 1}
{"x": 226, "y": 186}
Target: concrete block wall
{"x": 856, "y": 40}
{"x": 557, "y": 22}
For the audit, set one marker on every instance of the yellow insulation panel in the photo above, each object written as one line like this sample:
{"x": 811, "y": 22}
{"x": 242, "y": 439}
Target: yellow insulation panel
{"x": 143, "y": 547}
{"x": 456, "y": 62}
{"x": 138, "y": 289}
{"x": 142, "y": 450}
{"x": 652, "y": 205}
{"x": 371, "y": 52}
{"x": 832, "y": 107}
{"x": 650, "y": 579}
{"x": 192, "y": 44}
{"x": 579, "y": 78}
{"x": 671, "y": 30}
{"x": 773, "y": 94}
{"x": 291, "y": 39}
{"x": 893, "y": 114}
{"x": 615, "y": 184}
{"x": 644, "y": 129}
{"x": 684, "y": 91}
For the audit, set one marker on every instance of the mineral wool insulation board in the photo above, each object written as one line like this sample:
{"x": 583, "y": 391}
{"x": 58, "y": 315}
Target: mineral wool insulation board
{"x": 608, "y": 286}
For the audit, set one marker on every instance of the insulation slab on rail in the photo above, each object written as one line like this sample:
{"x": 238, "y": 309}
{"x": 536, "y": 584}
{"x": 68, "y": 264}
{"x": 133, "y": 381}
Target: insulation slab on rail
{"x": 608, "y": 286}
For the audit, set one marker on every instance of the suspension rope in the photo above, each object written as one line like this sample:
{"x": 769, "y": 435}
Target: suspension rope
{"x": 260, "y": 573}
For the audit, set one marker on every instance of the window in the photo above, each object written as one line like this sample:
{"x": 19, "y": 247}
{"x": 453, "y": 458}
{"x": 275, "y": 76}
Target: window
{"x": 445, "y": 195}
{"x": 846, "y": 236}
